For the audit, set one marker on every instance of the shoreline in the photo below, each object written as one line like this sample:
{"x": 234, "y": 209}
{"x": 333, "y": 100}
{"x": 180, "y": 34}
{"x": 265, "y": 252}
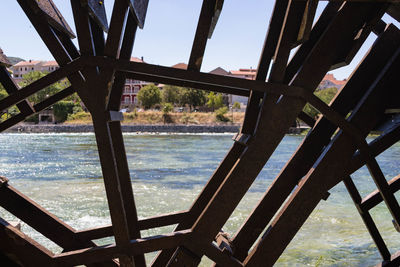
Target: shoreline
{"x": 132, "y": 128}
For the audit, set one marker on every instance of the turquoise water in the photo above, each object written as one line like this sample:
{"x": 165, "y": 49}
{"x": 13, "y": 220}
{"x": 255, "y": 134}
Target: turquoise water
{"x": 61, "y": 172}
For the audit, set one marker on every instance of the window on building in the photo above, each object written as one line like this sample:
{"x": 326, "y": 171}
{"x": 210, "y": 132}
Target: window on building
{"x": 32, "y": 68}
{"x": 26, "y": 69}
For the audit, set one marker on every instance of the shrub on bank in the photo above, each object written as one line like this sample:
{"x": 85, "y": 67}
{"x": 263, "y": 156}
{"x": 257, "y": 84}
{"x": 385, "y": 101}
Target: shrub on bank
{"x": 80, "y": 117}
{"x": 220, "y": 114}
{"x": 62, "y": 109}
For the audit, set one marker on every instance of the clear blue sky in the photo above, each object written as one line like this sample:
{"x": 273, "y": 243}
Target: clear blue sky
{"x": 168, "y": 33}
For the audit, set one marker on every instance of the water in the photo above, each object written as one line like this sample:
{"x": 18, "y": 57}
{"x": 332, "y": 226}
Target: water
{"x": 61, "y": 172}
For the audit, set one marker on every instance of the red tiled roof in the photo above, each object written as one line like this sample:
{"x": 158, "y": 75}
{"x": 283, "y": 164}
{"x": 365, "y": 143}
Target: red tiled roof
{"x": 27, "y": 63}
{"x": 332, "y": 79}
{"x": 50, "y": 64}
{"x": 182, "y": 66}
{"x": 219, "y": 71}
{"x": 136, "y": 59}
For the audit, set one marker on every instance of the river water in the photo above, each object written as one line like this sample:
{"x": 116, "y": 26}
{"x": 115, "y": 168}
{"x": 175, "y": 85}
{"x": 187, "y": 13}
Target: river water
{"x": 61, "y": 172}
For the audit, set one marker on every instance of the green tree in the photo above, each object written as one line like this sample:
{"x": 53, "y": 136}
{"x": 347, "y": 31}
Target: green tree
{"x": 149, "y": 95}
{"x": 220, "y": 114}
{"x": 215, "y": 101}
{"x": 170, "y": 94}
{"x": 42, "y": 94}
{"x": 166, "y": 109}
{"x": 236, "y": 105}
{"x": 3, "y": 92}
{"x": 192, "y": 97}
{"x": 63, "y": 108}
{"x": 325, "y": 95}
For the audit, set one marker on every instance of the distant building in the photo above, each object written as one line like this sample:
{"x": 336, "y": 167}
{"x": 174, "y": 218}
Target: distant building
{"x": 330, "y": 81}
{"x": 129, "y": 97}
{"x": 249, "y": 74}
{"x": 244, "y": 73}
{"x": 219, "y": 71}
{"x": 24, "y": 67}
{"x": 50, "y": 66}
{"x": 182, "y": 66}
{"x": 132, "y": 88}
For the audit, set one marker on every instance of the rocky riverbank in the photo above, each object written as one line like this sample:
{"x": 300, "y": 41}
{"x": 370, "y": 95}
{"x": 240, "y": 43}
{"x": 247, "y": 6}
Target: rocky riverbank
{"x": 164, "y": 128}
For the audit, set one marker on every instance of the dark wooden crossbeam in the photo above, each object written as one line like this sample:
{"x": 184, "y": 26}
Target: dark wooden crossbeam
{"x": 97, "y": 72}
{"x": 143, "y": 224}
{"x": 134, "y": 247}
{"x": 139, "y": 10}
{"x": 342, "y": 145}
{"x": 375, "y": 197}
{"x": 48, "y": 9}
{"x": 22, "y": 249}
{"x": 43, "y": 221}
{"x": 209, "y": 11}
{"x": 11, "y": 88}
{"x": 312, "y": 146}
{"x": 367, "y": 219}
{"x": 97, "y": 11}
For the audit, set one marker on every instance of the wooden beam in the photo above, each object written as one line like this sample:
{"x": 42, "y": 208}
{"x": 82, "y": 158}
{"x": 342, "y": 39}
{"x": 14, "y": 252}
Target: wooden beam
{"x": 202, "y": 32}
{"x": 135, "y": 247}
{"x": 367, "y": 218}
{"x": 374, "y": 198}
{"x": 143, "y": 224}
{"x": 22, "y": 248}
{"x": 364, "y": 119}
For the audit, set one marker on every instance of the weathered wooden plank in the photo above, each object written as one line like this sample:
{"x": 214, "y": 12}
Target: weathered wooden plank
{"x": 301, "y": 203}
{"x": 202, "y": 32}
{"x": 249, "y": 125}
{"x": 394, "y": 10}
{"x": 97, "y": 11}
{"x": 40, "y": 219}
{"x": 304, "y": 50}
{"x": 139, "y": 9}
{"x": 375, "y": 197}
{"x": 312, "y": 146}
{"x": 143, "y": 224}
{"x": 155, "y": 73}
{"x": 112, "y": 182}
{"x": 53, "y": 15}
{"x": 347, "y": 56}
{"x": 125, "y": 53}
{"x": 114, "y": 102}
{"x": 211, "y": 217}
{"x": 367, "y": 218}
{"x": 384, "y": 188}
{"x": 217, "y": 12}
{"x": 135, "y": 247}
{"x": 11, "y": 88}
{"x": 307, "y": 21}
{"x": 21, "y": 248}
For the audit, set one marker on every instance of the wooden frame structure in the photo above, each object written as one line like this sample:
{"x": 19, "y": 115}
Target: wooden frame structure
{"x": 334, "y": 148}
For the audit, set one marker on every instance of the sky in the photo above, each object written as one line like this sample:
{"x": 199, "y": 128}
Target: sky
{"x": 168, "y": 33}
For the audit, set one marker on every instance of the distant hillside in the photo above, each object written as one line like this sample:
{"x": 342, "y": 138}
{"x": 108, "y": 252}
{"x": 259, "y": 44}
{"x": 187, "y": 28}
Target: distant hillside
{"x": 15, "y": 60}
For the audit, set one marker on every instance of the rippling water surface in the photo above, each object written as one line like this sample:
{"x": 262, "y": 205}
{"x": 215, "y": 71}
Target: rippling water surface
{"x": 61, "y": 172}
